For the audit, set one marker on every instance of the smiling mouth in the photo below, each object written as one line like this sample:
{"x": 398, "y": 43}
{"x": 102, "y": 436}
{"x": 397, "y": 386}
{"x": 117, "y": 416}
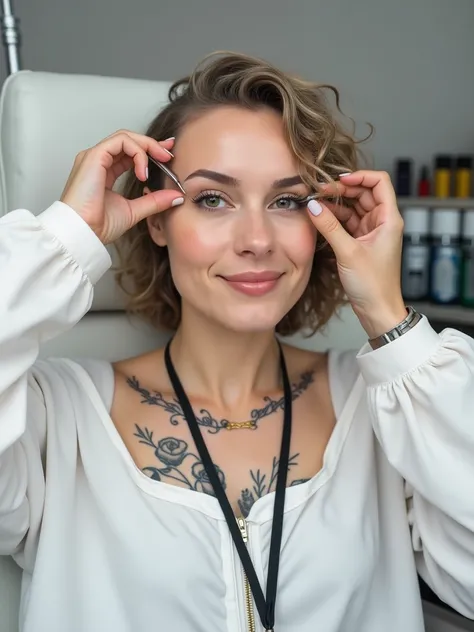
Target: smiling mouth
{"x": 253, "y": 283}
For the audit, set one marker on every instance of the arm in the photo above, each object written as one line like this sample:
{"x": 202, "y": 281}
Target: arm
{"x": 421, "y": 402}
{"x": 420, "y": 387}
{"x": 48, "y": 266}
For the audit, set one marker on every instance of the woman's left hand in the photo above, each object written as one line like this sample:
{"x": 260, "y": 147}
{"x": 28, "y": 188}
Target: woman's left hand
{"x": 368, "y": 248}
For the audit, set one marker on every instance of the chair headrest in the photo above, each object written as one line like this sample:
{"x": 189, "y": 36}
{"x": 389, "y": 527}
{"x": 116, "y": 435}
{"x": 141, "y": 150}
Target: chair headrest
{"x": 47, "y": 118}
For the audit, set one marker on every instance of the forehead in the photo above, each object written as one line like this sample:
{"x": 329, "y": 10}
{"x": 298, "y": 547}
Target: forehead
{"x": 236, "y": 141}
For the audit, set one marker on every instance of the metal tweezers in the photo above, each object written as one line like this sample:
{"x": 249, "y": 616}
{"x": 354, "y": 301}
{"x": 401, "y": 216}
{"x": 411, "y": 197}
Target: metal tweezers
{"x": 171, "y": 175}
{"x": 168, "y": 172}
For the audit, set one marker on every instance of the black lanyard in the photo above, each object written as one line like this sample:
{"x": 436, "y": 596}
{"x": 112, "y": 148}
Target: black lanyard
{"x": 265, "y": 606}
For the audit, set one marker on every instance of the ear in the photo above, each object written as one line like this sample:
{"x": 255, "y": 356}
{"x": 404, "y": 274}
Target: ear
{"x": 155, "y": 225}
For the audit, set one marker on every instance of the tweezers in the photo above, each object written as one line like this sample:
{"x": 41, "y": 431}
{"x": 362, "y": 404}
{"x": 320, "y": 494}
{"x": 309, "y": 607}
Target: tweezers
{"x": 171, "y": 175}
{"x": 168, "y": 172}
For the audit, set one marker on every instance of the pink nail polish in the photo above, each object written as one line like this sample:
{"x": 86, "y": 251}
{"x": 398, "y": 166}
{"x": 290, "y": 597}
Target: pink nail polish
{"x": 315, "y": 208}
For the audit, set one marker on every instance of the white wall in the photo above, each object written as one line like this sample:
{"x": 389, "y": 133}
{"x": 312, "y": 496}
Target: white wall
{"x": 406, "y": 65}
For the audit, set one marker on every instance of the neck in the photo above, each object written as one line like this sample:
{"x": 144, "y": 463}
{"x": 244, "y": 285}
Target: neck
{"x": 223, "y": 365}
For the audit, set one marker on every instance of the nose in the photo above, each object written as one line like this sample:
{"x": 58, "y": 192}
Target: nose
{"x": 254, "y": 234}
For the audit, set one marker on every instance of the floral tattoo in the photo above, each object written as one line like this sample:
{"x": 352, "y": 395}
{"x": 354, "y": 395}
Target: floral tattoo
{"x": 171, "y": 454}
{"x": 205, "y": 418}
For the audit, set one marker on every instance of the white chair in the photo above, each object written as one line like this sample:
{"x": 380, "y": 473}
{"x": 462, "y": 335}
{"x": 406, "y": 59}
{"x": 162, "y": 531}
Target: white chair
{"x": 45, "y": 120}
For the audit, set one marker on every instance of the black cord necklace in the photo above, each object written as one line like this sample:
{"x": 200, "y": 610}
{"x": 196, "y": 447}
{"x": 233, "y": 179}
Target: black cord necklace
{"x": 265, "y": 605}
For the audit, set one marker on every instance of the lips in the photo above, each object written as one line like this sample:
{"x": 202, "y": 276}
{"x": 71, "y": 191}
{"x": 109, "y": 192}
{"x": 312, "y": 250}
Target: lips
{"x": 253, "y": 277}
{"x": 253, "y": 283}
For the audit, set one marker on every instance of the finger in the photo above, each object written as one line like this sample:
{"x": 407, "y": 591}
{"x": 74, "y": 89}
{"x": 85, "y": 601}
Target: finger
{"x": 364, "y": 196}
{"x": 154, "y": 202}
{"x": 330, "y": 228}
{"x": 378, "y": 182}
{"x": 125, "y": 163}
{"x": 347, "y": 216}
{"x": 115, "y": 148}
{"x": 160, "y": 150}
{"x": 135, "y": 146}
{"x": 168, "y": 142}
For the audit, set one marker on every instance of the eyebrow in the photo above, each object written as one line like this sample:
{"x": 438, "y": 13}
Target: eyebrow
{"x": 234, "y": 182}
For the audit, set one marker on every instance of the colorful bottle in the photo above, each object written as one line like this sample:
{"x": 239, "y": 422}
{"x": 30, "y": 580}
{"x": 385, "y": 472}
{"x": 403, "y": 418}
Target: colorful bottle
{"x": 416, "y": 253}
{"x": 445, "y": 256}
{"x": 467, "y": 272}
{"x": 442, "y": 176}
{"x": 403, "y": 177}
{"x": 424, "y": 183}
{"x": 463, "y": 178}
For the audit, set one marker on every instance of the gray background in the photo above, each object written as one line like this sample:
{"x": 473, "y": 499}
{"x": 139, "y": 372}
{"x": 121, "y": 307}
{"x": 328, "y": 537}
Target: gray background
{"x": 404, "y": 65}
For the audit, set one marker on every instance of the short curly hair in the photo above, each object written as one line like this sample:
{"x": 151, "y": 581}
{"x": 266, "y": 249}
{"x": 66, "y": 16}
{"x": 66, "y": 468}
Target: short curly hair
{"x": 323, "y": 148}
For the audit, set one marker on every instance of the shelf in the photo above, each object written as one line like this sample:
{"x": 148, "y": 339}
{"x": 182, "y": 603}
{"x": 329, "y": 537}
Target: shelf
{"x": 432, "y": 202}
{"x": 452, "y": 314}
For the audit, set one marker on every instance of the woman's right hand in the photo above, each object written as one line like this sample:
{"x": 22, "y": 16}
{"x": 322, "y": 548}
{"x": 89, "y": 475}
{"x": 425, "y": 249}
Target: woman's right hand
{"x": 88, "y": 189}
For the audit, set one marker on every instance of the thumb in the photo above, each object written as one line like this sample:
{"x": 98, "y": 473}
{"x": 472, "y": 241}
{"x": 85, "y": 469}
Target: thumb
{"x": 155, "y": 202}
{"x": 330, "y": 228}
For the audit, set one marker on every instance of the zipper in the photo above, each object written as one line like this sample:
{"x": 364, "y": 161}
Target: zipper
{"x": 249, "y": 613}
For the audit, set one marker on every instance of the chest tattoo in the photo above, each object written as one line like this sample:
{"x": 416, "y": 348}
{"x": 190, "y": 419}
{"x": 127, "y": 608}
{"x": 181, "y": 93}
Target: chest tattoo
{"x": 204, "y": 417}
{"x": 175, "y": 461}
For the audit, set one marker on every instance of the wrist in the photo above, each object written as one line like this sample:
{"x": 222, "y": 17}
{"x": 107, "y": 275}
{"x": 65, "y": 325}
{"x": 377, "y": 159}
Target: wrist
{"x": 382, "y": 319}
{"x": 77, "y": 239}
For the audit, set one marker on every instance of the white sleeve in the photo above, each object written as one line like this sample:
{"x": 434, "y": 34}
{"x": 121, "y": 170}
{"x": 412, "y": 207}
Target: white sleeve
{"x": 48, "y": 265}
{"x": 421, "y": 401}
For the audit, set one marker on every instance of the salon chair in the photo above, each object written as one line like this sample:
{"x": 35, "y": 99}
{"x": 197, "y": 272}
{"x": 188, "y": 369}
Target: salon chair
{"x": 45, "y": 120}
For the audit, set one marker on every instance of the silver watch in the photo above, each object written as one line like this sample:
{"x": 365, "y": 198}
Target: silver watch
{"x": 412, "y": 318}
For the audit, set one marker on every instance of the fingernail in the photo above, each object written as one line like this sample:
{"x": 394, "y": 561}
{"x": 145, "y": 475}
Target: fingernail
{"x": 177, "y": 201}
{"x": 315, "y": 208}
{"x": 170, "y": 138}
{"x": 146, "y": 173}
{"x": 168, "y": 152}
{"x": 348, "y": 173}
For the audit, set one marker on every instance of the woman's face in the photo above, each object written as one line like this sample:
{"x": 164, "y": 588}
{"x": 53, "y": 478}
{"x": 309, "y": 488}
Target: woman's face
{"x": 240, "y": 247}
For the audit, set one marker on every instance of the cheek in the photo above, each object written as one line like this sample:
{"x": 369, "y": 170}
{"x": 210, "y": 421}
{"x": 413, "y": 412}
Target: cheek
{"x": 191, "y": 244}
{"x": 299, "y": 241}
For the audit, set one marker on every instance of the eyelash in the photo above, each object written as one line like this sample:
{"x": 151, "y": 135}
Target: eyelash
{"x": 301, "y": 201}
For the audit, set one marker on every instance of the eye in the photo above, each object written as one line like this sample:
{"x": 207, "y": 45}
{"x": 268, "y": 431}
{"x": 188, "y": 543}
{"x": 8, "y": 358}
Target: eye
{"x": 210, "y": 201}
{"x": 290, "y": 202}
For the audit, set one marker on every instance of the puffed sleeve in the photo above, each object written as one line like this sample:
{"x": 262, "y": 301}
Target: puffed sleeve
{"x": 48, "y": 265}
{"x": 420, "y": 391}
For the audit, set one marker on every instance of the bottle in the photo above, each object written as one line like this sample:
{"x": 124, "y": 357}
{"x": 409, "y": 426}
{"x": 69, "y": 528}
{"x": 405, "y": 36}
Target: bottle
{"x": 424, "y": 183}
{"x": 442, "y": 176}
{"x": 463, "y": 180}
{"x": 403, "y": 177}
{"x": 445, "y": 256}
{"x": 467, "y": 272}
{"x": 416, "y": 253}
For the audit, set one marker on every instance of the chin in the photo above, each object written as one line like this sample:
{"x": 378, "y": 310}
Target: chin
{"x": 255, "y": 320}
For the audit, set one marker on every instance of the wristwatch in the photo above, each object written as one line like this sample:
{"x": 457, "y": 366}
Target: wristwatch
{"x": 412, "y": 318}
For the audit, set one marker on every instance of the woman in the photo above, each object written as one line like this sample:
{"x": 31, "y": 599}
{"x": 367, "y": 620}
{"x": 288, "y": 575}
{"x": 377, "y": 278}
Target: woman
{"x": 135, "y": 495}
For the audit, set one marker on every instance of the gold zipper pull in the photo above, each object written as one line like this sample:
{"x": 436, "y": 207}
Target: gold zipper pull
{"x": 243, "y": 529}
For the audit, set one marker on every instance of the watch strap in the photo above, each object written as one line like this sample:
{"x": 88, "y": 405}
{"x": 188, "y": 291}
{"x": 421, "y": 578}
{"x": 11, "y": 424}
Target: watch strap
{"x": 412, "y": 318}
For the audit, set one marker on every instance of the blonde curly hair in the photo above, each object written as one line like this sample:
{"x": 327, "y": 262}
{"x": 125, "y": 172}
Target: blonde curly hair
{"x": 318, "y": 140}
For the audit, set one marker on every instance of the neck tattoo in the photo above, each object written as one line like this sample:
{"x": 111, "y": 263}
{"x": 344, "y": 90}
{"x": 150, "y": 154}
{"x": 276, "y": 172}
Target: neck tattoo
{"x": 204, "y": 417}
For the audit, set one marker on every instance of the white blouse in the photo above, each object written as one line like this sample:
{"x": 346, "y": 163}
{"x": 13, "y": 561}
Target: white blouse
{"x": 105, "y": 548}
